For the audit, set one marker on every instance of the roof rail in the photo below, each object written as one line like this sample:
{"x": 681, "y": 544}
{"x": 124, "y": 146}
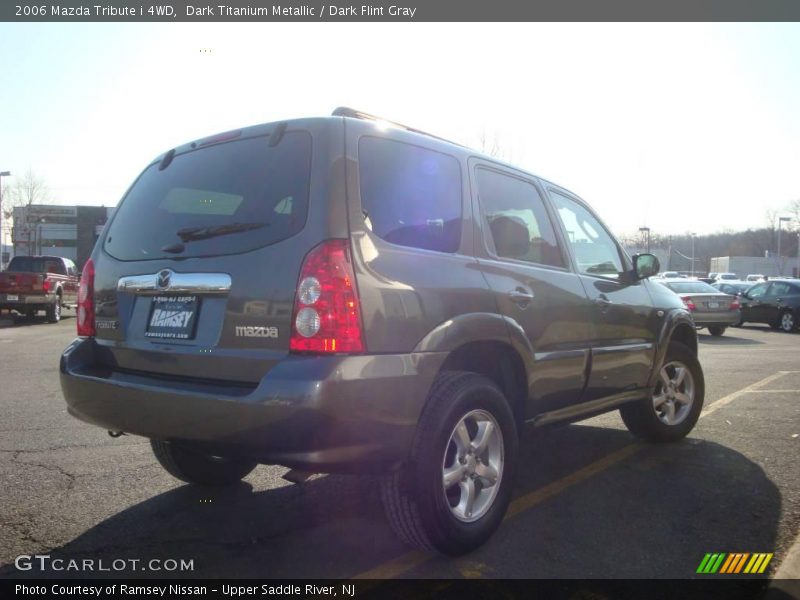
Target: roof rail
{"x": 345, "y": 111}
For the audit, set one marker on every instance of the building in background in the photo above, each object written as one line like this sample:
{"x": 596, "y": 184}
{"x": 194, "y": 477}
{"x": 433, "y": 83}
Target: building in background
{"x": 771, "y": 266}
{"x": 55, "y": 230}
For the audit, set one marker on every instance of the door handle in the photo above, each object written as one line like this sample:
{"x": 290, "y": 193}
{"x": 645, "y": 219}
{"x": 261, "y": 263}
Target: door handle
{"x": 520, "y": 296}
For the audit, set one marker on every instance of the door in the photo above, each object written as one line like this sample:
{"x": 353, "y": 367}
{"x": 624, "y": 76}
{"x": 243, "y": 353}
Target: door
{"x": 527, "y": 270}
{"x": 624, "y": 327}
{"x": 753, "y": 304}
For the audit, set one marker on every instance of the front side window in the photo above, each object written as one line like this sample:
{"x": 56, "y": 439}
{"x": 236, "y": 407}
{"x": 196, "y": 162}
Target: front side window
{"x": 758, "y": 290}
{"x": 517, "y": 221}
{"x": 410, "y": 196}
{"x": 595, "y": 251}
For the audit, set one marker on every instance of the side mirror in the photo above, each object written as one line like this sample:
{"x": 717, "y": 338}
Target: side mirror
{"x": 645, "y": 265}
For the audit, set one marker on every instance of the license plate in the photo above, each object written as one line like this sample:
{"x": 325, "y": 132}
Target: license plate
{"x": 713, "y": 305}
{"x": 12, "y": 297}
{"x": 172, "y": 317}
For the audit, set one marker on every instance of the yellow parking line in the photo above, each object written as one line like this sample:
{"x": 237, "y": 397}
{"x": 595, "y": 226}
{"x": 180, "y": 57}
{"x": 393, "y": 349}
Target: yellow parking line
{"x": 410, "y": 560}
{"x": 750, "y": 388}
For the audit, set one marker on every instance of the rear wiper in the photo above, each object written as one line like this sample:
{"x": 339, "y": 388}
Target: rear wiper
{"x": 190, "y": 234}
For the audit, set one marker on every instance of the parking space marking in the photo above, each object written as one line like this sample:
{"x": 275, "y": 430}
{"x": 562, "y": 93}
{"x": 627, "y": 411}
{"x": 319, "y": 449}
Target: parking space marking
{"x": 750, "y": 388}
{"x": 412, "y": 559}
{"x": 551, "y": 489}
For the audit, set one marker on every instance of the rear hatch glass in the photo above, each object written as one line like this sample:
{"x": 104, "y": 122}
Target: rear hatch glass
{"x": 227, "y": 198}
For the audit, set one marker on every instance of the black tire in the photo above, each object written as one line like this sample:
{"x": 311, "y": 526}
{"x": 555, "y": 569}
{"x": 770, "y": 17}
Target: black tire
{"x": 420, "y": 510}
{"x": 787, "y": 321}
{"x": 54, "y": 310}
{"x": 644, "y": 420}
{"x": 191, "y": 466}
{"x": 716, "y": 330}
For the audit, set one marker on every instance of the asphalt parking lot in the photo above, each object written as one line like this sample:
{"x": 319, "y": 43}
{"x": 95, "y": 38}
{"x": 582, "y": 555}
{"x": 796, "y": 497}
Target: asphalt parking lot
{"x": 591, "y": 502}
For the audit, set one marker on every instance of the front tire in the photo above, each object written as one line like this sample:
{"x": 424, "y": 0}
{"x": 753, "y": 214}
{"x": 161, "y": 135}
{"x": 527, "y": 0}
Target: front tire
{"x": 674, "y": 407}
{"x": 191, "y": 466}
{"x": 453, "y": 492}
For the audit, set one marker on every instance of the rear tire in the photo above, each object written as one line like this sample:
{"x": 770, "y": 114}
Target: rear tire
{"x": 452, "y": 493}
{"x": 54, "y": 310}
{"x": 788, "y": 323}
{"x": 191, "y": 466}
{"x": 673, "y": 409}
{"x": 716, "y": 330}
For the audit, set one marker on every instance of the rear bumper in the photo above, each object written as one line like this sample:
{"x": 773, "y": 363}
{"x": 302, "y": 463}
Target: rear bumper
{"x": 324, "y": 414}
{"x": 719, "y": 319}
{"x": 27, "y": 300}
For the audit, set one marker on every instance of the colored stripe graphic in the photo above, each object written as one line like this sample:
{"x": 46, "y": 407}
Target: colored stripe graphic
{"x": 734, "y": 563}
{"x": 711, "y": 563}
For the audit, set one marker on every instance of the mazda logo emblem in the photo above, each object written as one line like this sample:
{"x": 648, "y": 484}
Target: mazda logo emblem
{"x": 162, "y": 279}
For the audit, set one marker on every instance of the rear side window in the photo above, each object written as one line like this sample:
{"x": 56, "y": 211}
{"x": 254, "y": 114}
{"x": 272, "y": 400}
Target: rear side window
{"x": 410, "y": 196}
{"x": 223, "y": 199}
{"x": 517, "y": 220}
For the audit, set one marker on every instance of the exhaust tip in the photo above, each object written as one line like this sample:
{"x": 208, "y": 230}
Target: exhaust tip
{"x": 115, "y": 434}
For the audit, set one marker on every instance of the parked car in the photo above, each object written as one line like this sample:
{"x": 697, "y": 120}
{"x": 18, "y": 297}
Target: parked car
{"x": 734, "y": 288}
{"x": 671, "y": 275}
{"x": 726, "y": 277}
{"x": 334, "y": 295}
{"x": 775, "y": 302}
{"x": 755, "y": 277}
{"x": 35, "y": 283}
{"x": 709, "y": 306}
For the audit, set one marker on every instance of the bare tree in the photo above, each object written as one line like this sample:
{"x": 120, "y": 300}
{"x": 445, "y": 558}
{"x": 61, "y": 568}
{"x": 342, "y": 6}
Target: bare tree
{"x": 28, "y": 189}
{"x": 492, "y": 145}
{"x": 794, "y": 211}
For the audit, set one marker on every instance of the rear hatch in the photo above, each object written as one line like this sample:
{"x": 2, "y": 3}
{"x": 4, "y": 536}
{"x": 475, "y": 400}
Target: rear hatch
{"x": 197, "y": 271}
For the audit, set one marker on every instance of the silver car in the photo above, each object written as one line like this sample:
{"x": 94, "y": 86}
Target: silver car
{"x": 709, "y": 307}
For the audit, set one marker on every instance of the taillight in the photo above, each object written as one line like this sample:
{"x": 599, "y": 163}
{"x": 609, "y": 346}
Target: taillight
{"x": 86, "y": 301}
{"x": 327, "y": 316}
{"x": 45, "y": 284}
{"x": 735, "y": 304}
{"x": 689, "y": 303}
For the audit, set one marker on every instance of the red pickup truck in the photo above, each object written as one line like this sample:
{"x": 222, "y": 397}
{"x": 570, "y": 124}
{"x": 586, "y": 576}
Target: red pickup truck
{"x": 34, "y": 283}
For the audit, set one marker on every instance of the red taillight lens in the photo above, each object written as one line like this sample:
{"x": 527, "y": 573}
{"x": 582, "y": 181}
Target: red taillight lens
{"x": 689, "y": 303}
{"x": 735, "y": 304}
{"x": 327, "y": 316}
{"x": 45, "y": 284}
{"x": 86, "y": 301}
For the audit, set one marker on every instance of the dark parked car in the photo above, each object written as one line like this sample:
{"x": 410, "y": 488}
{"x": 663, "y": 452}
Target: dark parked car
{"x": 334, "y": 295}
{"x": 709, "y": 307}
{"x": 734, "y": 288}
{"x": 775, "y": 302}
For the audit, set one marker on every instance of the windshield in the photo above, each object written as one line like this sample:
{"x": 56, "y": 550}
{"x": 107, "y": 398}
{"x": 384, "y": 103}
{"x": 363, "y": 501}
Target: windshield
{"x": 691, "y": 287}
{"x": 223, "y": 199}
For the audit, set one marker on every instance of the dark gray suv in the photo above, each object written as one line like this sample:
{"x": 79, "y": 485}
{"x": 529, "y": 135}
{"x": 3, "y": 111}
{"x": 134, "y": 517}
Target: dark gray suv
{"x": 343, "y": 294}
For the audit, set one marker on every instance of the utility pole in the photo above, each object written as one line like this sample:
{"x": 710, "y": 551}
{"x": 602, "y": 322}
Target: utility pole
{"x": 2, "y": 174}
{"x": 646, "y": 231}
{"x": 780, "y": 261}
{"x": 692, "y": 254}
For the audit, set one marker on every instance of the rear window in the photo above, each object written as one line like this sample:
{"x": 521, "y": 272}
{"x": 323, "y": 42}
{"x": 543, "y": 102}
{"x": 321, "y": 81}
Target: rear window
{"x": 410, "y": 196}
{"x": 224, "y": 199}
{"x": 34, "y": 264}
{"x": 691, "y": 287}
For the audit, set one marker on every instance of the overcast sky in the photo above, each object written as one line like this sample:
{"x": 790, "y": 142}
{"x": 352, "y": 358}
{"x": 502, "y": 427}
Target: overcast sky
{"x": 677, "y": 127}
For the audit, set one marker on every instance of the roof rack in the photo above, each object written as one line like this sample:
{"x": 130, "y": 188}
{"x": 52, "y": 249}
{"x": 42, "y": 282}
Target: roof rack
{"x": 345, "y": 111}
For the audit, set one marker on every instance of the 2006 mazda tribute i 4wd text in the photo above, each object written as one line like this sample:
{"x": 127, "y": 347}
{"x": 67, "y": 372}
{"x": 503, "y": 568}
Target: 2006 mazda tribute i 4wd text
{"x": 337, "y": 295}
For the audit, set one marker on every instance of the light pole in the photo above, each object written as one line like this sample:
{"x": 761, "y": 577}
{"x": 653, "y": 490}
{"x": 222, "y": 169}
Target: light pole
{"x": 780, "y": 262}
{"x": 2, "y": 174}
{"x": 693, "y": 236}
{"x": 797, "y": 266}
{"x": 646, "y": 232}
